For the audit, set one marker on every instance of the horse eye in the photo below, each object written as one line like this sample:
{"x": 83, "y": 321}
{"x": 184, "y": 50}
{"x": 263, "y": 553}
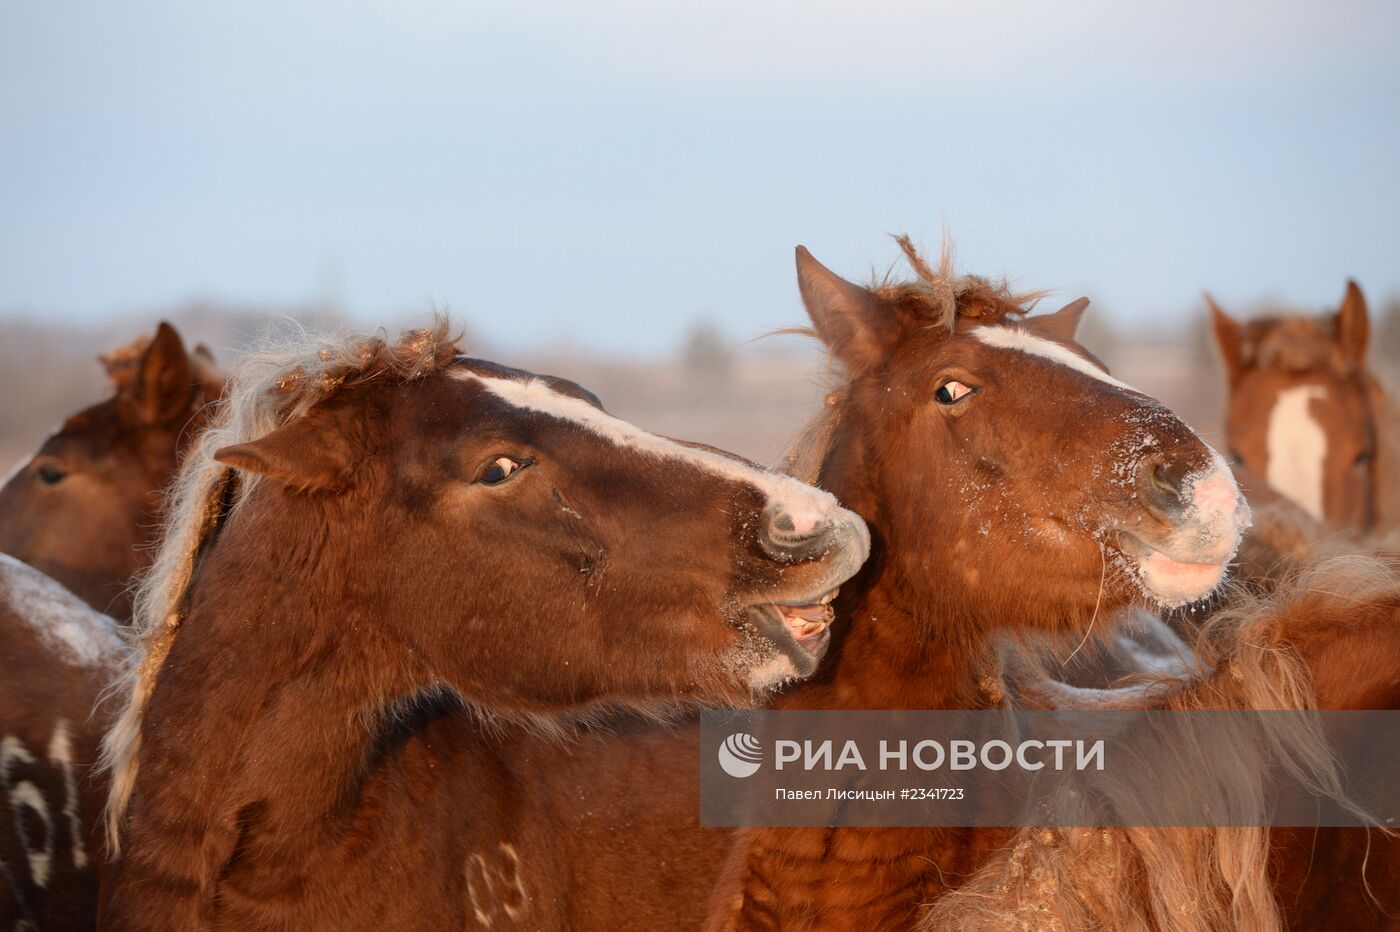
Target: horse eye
{"x": 1362, "y": 458}
{"x": 500, "y": 469}
{"x": 51, "y": 473}
{"x": 1236, "y": 458}
{"x": 953, "y": 391}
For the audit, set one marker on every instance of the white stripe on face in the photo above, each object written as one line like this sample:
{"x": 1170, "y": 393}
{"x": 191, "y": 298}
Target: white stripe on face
{"x": 1297, "y": 448}
{"x": 803, "y": 500}
{"x": 1014, "y": 338}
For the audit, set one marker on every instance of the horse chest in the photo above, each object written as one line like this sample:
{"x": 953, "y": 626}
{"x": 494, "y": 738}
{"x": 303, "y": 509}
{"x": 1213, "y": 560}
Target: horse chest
{"x": 595, "y": 833}
{"x": 426, "y": 847}
{"x": 860, "y": 879}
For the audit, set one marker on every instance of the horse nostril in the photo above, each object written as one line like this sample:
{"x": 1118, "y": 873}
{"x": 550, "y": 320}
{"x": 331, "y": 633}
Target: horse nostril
{"x": 1160, "y": 482}
{"x": 793, "y": 534}
{"x": 1166, "y": 480}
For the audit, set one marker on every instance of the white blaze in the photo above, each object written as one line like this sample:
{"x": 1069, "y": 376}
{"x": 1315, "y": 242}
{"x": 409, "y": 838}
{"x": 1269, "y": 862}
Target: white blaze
{"x": 1014, "y": 338}
{"x": 807, "y": 505}
{"x": 1297, "y": 448}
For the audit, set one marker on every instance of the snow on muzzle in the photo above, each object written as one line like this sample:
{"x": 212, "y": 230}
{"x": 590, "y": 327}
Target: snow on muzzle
{"x": 1205, "y": 516}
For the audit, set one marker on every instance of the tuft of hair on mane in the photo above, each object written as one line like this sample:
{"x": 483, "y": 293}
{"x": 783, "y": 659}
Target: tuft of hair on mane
{"x": 1191, "y": 879}
{"x": 287, "y": 375}
{"x": 944, "y": 297}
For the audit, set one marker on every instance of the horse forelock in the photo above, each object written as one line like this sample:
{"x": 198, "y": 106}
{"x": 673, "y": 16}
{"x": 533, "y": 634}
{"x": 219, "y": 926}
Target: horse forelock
{"x": 943, "y": 297}
{"x": 121, "y": 362}
{"x": 283, "y": 379}
{"x": 1295, "y": 344}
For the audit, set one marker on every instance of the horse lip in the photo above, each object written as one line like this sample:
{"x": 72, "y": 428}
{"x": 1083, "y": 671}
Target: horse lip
{"x": 1139, "y": 549}
{"x": 776, "y": 621}
{"x": 1169, "y": 581}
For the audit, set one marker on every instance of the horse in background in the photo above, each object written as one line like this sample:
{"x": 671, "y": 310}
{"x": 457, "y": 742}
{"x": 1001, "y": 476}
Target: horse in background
{"x": 381, "y": 558}
{"x": 59, "y": 655}
{"x": 85, "y": 508}
{"x": 1306, "y": 420}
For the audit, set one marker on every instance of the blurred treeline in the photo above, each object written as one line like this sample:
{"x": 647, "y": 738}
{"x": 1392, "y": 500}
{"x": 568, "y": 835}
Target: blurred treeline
{"x": 742, "y": 394}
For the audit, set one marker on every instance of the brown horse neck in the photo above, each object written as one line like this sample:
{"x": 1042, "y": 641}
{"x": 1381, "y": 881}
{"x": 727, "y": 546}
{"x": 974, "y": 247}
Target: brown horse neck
{"x": 891, "y": 657}
{"x": 894, "y": 657}
{"x": 911, "y": 638}
{"x": 296, "y": 730}
{"x": 264, "y": 728}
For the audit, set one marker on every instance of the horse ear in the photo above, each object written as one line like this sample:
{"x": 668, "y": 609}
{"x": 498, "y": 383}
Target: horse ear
{"x": 308, "y": 454}
{"x": 1353, "y": 325}
{"x": 851, "y": 320}
{"x": 1229, "y": 337}
{"x": 160, "y": 390}
{"x": 1064, "y": 323}
{"x": 206, "y": 371}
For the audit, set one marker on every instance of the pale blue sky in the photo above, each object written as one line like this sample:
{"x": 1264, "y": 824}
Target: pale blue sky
{"x": 610, "y": 171}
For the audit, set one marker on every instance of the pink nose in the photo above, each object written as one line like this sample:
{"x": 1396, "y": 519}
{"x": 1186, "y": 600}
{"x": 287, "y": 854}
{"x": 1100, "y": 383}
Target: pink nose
{"x": 803, "y": 520}
{"x": 794, "y": 527}
{"x": 1216, "y": 492}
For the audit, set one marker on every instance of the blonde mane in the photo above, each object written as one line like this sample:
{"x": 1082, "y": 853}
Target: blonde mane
{"x": 272, "y": 386}
{"x": 1191, "y": 879}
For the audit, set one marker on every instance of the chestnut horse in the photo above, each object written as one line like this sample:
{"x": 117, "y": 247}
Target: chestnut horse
{"x": 387, "y": 557}
{"x": 1305, "y": 417}
{"x": 84, "y": 509}
{"x": 58, "y": 654}
{"x": 1011, "y": 484}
